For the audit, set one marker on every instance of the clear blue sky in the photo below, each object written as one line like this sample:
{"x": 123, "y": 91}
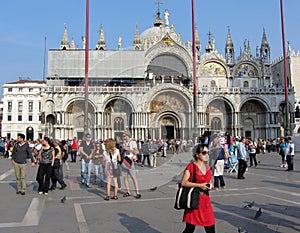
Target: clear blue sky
{"x": 25, "y": 24}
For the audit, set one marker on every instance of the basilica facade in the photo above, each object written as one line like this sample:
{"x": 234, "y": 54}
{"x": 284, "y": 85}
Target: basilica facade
{"x": 149, "y": 89}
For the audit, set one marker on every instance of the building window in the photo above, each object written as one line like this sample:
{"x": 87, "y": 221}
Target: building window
{"x": 30, "y": 89}
{"x": 40, "y": 106}
{"x": 20, "y": 106}
{"x": 30, "y": 118}
{"x": 30, "y": 106}
{"x": 8, "y": 135}
{"x": 19, "y": 117}
{"x": 9, "y": 89}
{"x": 20, "y": 89}
{"x": 9, "y": 118}
{"x": 9, "y": 106}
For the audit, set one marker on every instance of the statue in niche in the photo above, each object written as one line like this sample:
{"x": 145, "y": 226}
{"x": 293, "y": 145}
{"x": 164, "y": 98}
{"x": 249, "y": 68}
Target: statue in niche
{"x": 167, "y": 18}
{"x": 119, "y": 42}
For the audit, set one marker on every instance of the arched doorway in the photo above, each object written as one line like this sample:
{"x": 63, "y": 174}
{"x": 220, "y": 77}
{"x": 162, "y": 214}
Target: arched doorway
{"x": 50, "y": 121}
{"x": 120, "y": 112}
{"x": 29, "y": 133}
{"x": 219, "y": 116}
{"x": 169, "y": 127}
{"x": 254, "y": 120}
{"x": 75, "y": 119}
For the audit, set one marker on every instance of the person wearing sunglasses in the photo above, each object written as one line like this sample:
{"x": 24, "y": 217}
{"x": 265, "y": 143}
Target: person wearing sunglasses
{"x": 204, "y": 215}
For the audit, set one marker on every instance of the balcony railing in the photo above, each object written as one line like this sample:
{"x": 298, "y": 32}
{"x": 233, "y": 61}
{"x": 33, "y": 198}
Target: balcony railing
{"x": 242, "y": 90}
{"x": 144, "y": 89}
{"x": 92, "y": 89}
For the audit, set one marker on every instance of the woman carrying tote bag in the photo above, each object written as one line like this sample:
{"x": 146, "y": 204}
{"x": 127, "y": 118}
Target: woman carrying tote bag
{"x": 203, "y": 216}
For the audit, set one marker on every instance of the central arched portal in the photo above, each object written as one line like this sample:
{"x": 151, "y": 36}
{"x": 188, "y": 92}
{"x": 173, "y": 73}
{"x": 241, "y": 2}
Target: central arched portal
{"x": 169, "y": 127}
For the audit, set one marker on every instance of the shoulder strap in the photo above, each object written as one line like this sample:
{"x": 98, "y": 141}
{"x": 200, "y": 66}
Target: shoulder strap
{"x": 194, "y": 174}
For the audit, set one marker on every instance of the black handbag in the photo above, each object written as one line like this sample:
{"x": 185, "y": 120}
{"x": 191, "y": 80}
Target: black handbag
{"x": 116, "y": 169}
{"x": 187, "y": 197}
{"x": 56, "y": 163}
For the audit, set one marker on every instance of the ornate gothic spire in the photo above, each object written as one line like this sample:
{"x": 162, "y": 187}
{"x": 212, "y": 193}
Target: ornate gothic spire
{"x": 101, "y": 43}
{"x": 265, "y": 48}
{"x": 137, "y": 40}
{"x": 197, "y": 40}
{"x": 229, "y": 49}
{"x": 64, "y": 45}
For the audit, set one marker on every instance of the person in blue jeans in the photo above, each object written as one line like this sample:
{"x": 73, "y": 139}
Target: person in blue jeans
{"x": 242, "y": 158}
{"x": 86, "y": 150}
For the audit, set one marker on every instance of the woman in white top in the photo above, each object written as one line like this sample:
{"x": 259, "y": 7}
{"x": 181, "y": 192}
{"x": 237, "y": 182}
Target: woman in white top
{"x": 110, "y": 161}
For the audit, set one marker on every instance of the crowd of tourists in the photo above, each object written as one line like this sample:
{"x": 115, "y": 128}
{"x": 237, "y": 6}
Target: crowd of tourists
{"x": 101, "y": 160}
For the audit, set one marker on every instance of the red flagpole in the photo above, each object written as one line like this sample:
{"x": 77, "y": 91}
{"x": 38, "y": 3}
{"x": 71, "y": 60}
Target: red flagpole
{"x": 286, "y": 82}
{"x": 86, "y": 89}
{"x": 194, "y": 70}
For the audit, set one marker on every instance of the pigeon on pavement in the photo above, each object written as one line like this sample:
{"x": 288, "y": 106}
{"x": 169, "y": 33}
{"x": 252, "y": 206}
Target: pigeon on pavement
{"x": 258, "y": 213}
{"x": 250, "y": 205}
{"x": 153, "y": 189}
{"x": 63, "y": 199}
{"x": 240, "y": 230}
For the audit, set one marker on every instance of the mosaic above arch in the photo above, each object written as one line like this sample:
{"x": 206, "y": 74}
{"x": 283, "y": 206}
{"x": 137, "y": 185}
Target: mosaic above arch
{"x": 169, "y": 101}
{"x": 212, "y": 69}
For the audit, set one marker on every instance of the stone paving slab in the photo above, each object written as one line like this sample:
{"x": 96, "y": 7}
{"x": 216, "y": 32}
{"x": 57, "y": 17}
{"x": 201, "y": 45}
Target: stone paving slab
{"x": 85, "y": 211}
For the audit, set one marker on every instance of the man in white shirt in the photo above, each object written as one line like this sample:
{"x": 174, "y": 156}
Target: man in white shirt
{"x": 131, "y": 150}
{"x": 290, "y": 152}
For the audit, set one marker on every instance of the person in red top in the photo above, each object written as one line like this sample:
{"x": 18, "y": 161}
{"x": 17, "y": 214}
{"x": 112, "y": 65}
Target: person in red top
{"x": 204, "y": 215}
{"x": 74, "y": 150}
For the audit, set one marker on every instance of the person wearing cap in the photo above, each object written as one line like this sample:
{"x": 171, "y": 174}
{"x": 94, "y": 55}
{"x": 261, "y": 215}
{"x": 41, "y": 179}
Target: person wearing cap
{"x": 21, "y": 152}
{"x": 131, "y": 150}
{"x": 290, "y": 152}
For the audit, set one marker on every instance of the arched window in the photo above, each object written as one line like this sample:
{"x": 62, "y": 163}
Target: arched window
{"x": 119, "y": 124}
{"x": 212, "y": 83}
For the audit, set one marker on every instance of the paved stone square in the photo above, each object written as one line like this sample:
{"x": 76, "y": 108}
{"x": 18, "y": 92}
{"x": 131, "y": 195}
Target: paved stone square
{"x": 84, "y": 211}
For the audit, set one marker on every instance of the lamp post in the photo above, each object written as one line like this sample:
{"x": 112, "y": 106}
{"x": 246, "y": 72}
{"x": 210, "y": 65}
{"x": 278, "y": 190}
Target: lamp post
{"x": 194, "y": 72}
{"x": 86, "y": 88}
{"x": 286, "y": 82}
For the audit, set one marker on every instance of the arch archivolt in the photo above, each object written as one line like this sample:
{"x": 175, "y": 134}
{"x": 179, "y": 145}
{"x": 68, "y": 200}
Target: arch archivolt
{"x": 180, "y": 54}
{"x": 253, "y": 99}
{"x": 76, "y": 99}
{"x": 213, "y": 67}
{"x": 127, "y": 99}
{"x": 227, "y": 101}
{"x": 170, "y": 89}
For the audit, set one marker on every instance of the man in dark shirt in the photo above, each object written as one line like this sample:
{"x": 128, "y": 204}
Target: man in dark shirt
{"x": 86, "y": 151}
{"x": 20, "y": 154}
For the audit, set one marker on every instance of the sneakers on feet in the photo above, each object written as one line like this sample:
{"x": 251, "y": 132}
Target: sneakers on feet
{"x": 46, "y": 194}
{"x": 41, "y": 193}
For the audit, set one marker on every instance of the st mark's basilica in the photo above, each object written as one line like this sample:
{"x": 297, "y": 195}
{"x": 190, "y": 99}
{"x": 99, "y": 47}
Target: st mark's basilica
{"x": 148, "y": 89}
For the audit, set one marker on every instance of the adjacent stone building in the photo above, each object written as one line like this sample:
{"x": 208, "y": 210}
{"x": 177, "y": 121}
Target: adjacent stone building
{"x": 149, "y": 90}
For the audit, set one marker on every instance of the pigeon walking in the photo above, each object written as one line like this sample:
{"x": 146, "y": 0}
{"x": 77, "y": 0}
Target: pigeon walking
{"x": 250, "y": 205}
{"x": 153, "y": 189}
{"x": 63, "y": 199}
{"x": 240, "y": 230}
{"x": 258, "y": 213}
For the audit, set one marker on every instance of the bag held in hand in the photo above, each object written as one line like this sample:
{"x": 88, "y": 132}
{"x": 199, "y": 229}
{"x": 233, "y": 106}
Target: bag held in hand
{"x": 126, "y": 163}
{"x": 187, "y": 197}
